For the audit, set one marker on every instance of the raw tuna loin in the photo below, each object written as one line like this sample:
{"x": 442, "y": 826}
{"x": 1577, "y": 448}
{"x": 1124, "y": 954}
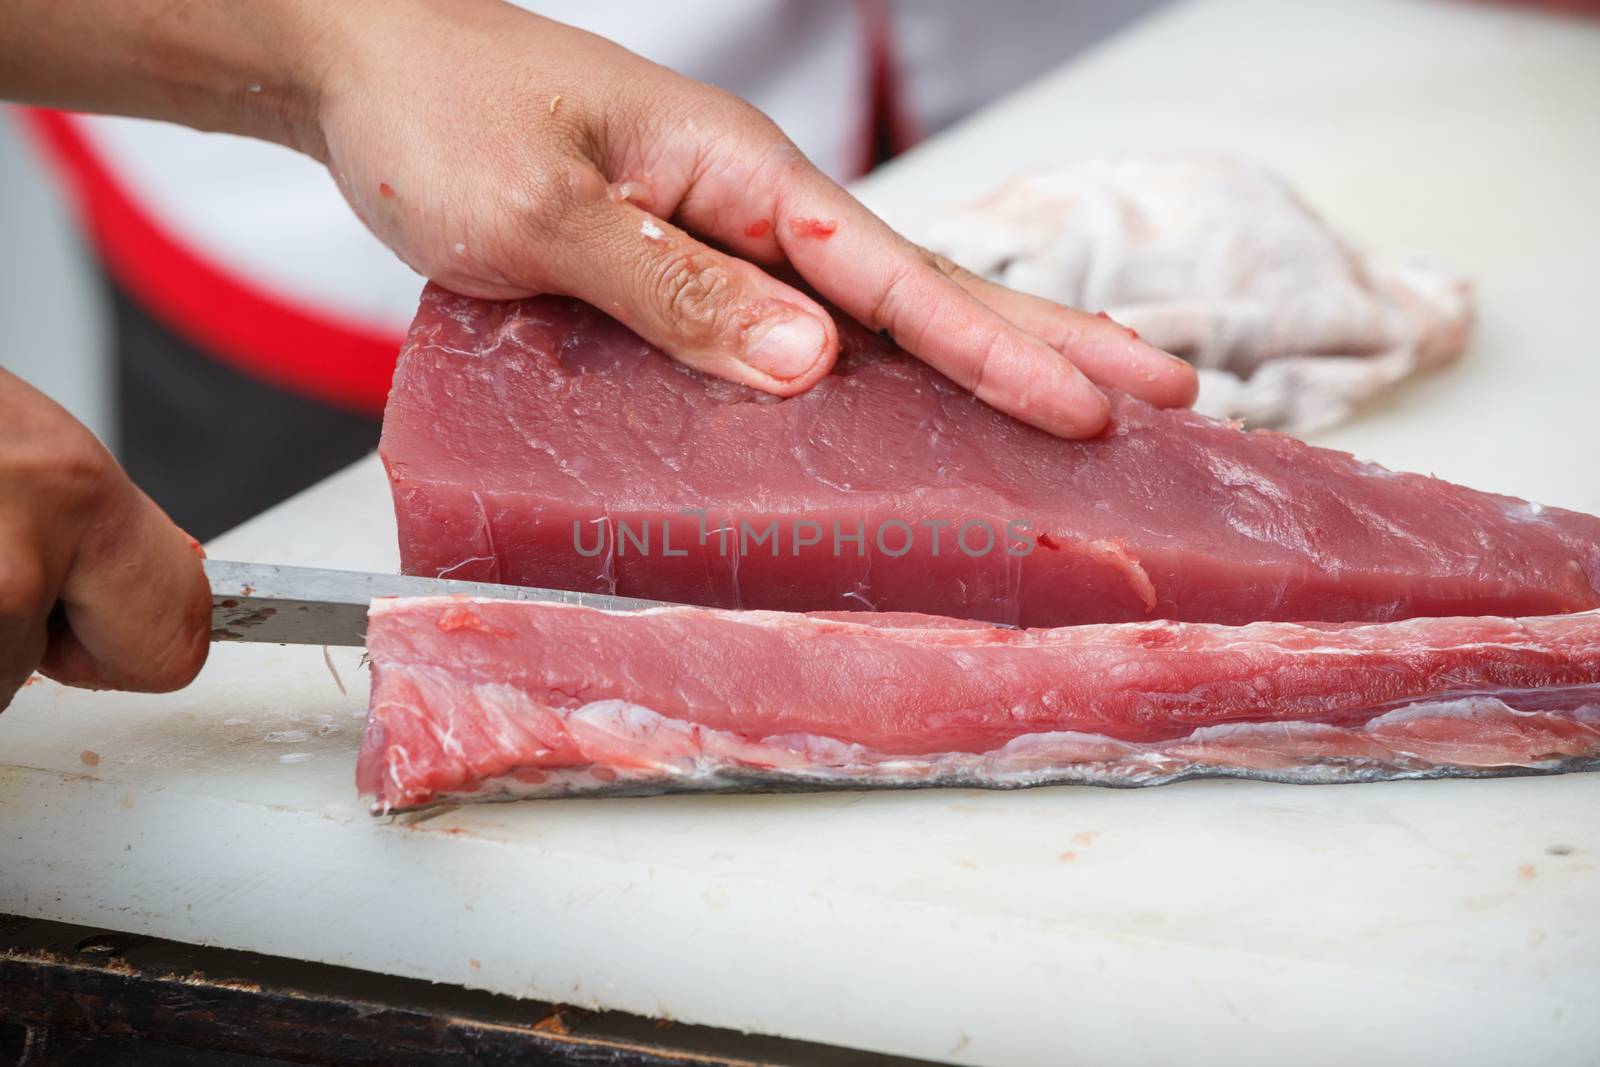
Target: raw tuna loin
{"x": 474, "y": 698}
{"x": 541, "y": 443}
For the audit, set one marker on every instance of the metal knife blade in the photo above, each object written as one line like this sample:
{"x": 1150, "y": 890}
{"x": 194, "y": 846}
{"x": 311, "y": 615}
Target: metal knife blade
{"x": 310, "y": 606}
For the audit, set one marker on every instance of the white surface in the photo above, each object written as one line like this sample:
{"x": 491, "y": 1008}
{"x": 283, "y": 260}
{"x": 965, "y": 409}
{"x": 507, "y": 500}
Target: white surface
{"x": 1217, "y": 922}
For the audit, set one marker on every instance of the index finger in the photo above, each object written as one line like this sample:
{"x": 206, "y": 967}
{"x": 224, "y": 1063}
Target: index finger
{"x": 887, "y": 283}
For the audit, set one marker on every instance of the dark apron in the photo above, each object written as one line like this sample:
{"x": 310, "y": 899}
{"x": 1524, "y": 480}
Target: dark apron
{"x": 211, "y": 445}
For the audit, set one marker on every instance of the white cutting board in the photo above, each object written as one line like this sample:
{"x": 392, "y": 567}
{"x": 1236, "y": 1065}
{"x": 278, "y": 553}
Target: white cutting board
{"x": 1203, "y": 922}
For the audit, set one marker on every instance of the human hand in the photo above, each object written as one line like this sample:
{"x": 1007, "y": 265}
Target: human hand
{"x": 504, "y": 155}
{"x": 73, "y": 528}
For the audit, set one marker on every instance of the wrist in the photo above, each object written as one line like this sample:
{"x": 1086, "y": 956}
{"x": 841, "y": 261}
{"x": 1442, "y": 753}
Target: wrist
{"x": 254, "y": 69}
{"x": 335, "y": 52}
{"x": 276, "y": 91}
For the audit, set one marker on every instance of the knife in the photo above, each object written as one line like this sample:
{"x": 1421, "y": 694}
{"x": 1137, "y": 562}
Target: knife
{"x": 309, "y": 606}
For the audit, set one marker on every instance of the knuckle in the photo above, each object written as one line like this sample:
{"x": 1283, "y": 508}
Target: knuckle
{"x": 542, "y": 203}
{"x": 890, "y": 301}
{"x": 904, "y": 306}
{"x": 777, "y": 163}
{"x": 1057, "y": 329}
{"x": 61, "y": 466}
{"x": 82, "y": 468}
{"x": 717, "y": 109}
{"x": 978, "y": 373}
{"x": 952, "y": 270}
{"x": 24, "y": 589}
{"x": 68, "y": 477}
{"x": 695, "y": 295}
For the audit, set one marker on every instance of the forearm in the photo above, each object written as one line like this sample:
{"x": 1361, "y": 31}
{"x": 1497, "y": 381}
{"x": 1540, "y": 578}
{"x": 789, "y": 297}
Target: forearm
{"x": 250, "y": 67}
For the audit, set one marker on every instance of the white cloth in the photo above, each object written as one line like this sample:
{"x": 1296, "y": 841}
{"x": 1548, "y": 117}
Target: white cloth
{"x": 1218, "y": 261}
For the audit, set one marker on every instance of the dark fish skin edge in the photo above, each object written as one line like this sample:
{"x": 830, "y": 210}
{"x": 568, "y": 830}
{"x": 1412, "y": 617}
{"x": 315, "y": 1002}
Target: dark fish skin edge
{"x": 768, "y": 784}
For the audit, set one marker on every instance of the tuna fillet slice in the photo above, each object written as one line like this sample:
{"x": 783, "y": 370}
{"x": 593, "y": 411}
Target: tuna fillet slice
{"x": 541, "y": 443}
{"x": 500, "y": 698}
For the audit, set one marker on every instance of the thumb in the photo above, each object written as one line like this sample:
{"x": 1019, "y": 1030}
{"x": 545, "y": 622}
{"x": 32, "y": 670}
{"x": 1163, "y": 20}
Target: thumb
{"x": 137, "y": 602}
{"x": 721, "y": 315}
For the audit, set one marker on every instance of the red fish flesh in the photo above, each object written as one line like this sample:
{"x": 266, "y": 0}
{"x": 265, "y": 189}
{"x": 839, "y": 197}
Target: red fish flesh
{"x": 541, "y": 443}
{"x": 476, "y": 698}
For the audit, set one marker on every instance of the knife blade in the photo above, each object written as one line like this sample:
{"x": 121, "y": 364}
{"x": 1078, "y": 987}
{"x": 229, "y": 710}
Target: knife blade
{"x": 310, "y": 606}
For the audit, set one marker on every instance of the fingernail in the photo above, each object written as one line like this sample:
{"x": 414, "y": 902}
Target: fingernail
{"x": 785, "y": 348}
